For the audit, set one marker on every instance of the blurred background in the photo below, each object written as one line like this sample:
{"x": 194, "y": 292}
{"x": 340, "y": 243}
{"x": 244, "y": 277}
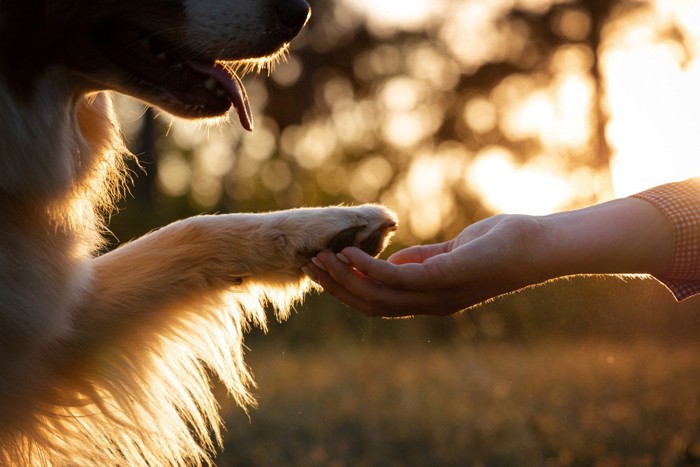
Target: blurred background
{"x": 449, "y": 111}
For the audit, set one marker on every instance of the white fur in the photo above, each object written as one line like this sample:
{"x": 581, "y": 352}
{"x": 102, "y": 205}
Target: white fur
{"x": 104, "y": 359}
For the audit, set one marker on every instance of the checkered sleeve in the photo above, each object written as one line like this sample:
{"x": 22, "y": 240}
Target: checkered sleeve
{"x": 680, "y": 202}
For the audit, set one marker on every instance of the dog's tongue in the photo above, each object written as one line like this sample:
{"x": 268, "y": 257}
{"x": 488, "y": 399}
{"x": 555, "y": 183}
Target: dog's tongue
{"x": 233, "y": 86}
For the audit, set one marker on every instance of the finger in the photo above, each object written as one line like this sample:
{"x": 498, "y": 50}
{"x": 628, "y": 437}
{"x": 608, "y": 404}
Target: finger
{"x": 417, "y": 254}
{"x": 339, "y": 291}
{"x": 337, "y": 266}
{"x": 335, "y": 288}
{"x": 334, "y": 276}
{"x": 409, "y": 276}
{"x": 375, "y": 298}
{"x": 381, "y": 301}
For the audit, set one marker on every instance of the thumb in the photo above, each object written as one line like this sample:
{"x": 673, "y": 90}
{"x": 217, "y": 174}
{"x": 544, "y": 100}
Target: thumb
{"x": 417, "y": 254}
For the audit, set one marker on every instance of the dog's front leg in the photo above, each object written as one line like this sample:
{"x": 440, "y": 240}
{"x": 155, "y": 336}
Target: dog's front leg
{"x": 160, "y": 306}
{"x": 159, "y": 312}
{"x": 188, "y": 265}
{"x": 150, "y": 282}
{"x": 162, "y": 283}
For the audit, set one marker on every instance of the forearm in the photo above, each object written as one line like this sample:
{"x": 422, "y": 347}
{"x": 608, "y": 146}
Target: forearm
{"x": 626, "y": 235}
{"x": 502, "y": 254}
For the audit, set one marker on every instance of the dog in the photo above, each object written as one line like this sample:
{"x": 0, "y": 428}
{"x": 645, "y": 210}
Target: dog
{"x": 105, "y": 357}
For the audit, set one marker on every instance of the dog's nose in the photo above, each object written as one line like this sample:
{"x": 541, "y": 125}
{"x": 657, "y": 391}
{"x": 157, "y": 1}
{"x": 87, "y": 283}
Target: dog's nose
{"x": 293, "y": 14}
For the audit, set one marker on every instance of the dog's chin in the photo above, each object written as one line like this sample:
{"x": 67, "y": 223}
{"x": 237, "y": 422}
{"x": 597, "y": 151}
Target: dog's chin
{"x": 183, "y": 83}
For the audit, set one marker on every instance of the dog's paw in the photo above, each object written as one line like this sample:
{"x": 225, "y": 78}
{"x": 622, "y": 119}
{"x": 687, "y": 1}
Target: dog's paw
{"x": 306, "y": 232}
{"x": 272, "y": 248}
{"x": 373, "y": 228}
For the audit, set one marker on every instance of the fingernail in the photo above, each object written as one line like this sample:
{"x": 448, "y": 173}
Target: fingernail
{"x": 343, "y": 258}
{"x": 309, "y": 273}
{"x": 319, "y": 264}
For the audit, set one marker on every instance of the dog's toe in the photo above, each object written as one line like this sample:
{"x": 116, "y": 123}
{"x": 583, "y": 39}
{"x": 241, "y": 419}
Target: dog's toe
{"x": 309, "y": 231}
{"x": 343, "y": 239}
{"x": 371, "y": 240}
{"x": 377, "y": 239}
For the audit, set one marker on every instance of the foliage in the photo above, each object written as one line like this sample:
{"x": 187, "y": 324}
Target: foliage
{"x": 406, "y": 113}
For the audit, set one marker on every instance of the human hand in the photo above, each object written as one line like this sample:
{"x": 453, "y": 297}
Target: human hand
{"x": 488, "y": 258}
{"x": 498, "y": 255}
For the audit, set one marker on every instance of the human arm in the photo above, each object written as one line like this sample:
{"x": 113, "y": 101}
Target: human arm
{"x": 501, "y": 254}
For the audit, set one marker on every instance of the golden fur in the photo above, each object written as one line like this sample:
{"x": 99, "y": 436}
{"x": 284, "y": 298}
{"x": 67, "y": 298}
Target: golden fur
{"x": 104, "y": 360}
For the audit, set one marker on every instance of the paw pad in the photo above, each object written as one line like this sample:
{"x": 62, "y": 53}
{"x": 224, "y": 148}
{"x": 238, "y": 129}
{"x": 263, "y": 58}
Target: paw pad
{"x": 372, "y": 243}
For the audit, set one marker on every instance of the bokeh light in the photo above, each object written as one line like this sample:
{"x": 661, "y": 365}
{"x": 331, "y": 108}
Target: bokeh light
{"x": 449, "y": 111}
{"x": 654, "y": 96}
{"x": 543, "y": 105}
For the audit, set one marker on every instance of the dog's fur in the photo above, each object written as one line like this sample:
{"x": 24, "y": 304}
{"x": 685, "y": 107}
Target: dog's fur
{"x": 104, "y": 360}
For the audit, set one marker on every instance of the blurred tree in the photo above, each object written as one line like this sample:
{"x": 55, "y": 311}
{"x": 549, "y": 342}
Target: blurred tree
{"x": 420, "y": 106}
{"x": 399, "y": 113}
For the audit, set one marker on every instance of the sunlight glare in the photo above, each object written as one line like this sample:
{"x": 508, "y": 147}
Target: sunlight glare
{"x": 536, "y": 188}
{"x": 385, "y": 16}
{"x": 423, "y": 194}
{"x": 556, "y": 115}
{"x": 410, "y": 117}
{"x": 654, "y": 103}
{"x": 686, "y": 13}
{"x": 430, "y": 204}
{"x": 405, "y": 129}
{"x": 471, "y": 34}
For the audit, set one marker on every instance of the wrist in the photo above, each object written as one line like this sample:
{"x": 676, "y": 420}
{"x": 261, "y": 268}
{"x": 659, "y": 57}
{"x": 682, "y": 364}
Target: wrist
{"x": 627, "y": 235}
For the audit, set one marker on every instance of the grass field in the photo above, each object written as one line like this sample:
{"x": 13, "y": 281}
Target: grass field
{"x": 553, "y": 403}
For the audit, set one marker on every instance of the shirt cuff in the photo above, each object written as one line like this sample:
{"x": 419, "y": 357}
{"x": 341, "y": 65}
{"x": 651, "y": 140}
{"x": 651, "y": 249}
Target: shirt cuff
{"x": 680, "y": 203}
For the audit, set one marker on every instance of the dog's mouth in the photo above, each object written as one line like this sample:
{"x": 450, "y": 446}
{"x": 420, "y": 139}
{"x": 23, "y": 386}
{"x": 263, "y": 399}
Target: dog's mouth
{"x": 175, "y": 79}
